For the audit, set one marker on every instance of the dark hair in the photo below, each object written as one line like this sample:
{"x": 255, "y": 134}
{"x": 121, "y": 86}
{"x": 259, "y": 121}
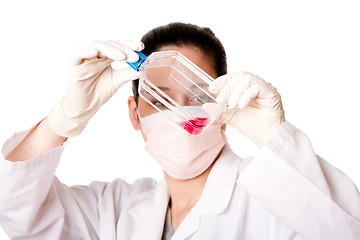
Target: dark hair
{"x": 181, "y": 34}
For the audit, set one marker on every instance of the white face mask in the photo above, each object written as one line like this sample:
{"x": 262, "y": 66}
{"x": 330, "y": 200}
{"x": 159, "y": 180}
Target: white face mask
{"x": 181, "y": 155}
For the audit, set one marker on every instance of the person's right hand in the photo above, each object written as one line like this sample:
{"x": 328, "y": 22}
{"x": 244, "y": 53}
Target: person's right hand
{"x": 92, "y": 83}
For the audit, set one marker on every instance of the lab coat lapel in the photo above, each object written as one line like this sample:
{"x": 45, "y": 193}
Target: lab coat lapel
{"x": 216, "y": 194}
{"x": 153, "y": 224}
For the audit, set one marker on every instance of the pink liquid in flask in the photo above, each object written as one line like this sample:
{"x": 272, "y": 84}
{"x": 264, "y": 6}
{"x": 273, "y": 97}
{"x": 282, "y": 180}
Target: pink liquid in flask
{"x": 196, "y": 125}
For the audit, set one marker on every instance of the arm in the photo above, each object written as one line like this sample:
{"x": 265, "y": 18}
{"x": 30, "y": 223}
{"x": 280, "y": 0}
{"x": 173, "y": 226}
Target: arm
{"x": 33, "y": 203}
{"x": 299, "y": 188}
{"x": 41, "y": 139}
{"x": 92, "y": 82}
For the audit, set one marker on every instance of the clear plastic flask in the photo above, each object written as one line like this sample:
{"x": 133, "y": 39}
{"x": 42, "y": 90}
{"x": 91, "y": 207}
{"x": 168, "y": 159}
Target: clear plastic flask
{"x": 174, "y": 85}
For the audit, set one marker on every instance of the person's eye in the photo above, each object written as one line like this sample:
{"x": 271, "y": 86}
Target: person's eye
{"x": 159, "y": 104}
{"x": 199, "y": 100}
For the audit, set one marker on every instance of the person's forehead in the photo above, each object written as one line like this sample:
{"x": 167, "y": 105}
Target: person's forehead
{"x": 196, "y": 56}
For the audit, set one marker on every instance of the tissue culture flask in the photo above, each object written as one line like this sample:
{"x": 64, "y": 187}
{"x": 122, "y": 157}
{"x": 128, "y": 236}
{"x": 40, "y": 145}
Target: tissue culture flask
{"x": 171, "y": 82}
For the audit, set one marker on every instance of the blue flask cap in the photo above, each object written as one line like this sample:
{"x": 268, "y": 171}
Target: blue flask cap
{"x": 136, "y": 65}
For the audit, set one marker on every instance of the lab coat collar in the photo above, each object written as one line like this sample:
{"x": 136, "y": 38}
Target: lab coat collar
{"x": 220, "y": 183}
{"x": 216, "y": 194}
{"x": 214, "y": 200}
{"x": 152, "y": 224}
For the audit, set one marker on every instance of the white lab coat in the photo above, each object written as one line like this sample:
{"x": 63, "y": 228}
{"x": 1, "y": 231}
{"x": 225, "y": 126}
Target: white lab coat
{"x": 286, "y": 192}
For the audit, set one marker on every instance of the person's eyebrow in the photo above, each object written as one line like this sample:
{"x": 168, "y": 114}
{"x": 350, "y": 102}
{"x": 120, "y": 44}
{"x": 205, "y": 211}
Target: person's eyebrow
{"x": 161, "y": 88}
{"x": 195, "y": 86}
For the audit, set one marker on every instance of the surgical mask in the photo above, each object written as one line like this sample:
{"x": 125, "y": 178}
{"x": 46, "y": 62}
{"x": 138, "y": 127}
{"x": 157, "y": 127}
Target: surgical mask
{"x": 181, "y": 155}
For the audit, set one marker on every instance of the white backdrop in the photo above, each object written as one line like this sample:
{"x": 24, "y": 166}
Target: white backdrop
{"x": 308, "y": 49}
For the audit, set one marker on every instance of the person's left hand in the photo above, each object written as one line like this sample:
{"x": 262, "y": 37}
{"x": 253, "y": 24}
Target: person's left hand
{"x": 253, "y": 106}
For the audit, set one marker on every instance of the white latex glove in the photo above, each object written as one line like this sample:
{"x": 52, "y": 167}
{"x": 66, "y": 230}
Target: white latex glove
{"x": 253, "y": 106}
{"x": 92, "y": 82}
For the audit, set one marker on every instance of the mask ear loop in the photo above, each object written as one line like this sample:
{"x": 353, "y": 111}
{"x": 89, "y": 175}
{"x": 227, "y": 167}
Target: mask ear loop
{"x": 139, "y": 118}
{"x": 137, "y": 113}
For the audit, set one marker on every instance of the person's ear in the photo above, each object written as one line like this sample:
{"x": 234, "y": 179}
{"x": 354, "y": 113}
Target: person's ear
{"x": 134, "y": 118}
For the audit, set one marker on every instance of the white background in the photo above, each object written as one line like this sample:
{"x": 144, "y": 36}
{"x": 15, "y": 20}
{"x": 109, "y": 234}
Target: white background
{"x": 308, "y": 49}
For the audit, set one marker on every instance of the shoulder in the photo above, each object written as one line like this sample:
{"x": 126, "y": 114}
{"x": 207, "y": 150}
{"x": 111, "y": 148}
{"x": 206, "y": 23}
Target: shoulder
{"x": 119, "y": 187}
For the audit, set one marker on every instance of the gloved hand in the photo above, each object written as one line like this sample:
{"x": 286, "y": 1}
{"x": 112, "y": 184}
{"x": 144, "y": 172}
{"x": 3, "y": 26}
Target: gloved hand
{"x": 92, "y": 82}
{"x": 253, "y": 106}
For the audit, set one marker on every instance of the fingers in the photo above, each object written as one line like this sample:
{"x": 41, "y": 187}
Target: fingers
{"x": 105, "y": 49}
{"x": 238, "y": 86}
{"x": 248, "y": 95}
{"x": 133, "y": 45}
{"x": 231, "y": 88}
{"x": 114, "y": 50}
{"x": 218, "y": 84}
{"x": 214, "y": 109}
{"x": 80, "y": 54}
{"x": 127, "y": 48}
{"x": 237, "y": 90}
{"x": 124, "y": 75}
{"x": 219, "y": 112}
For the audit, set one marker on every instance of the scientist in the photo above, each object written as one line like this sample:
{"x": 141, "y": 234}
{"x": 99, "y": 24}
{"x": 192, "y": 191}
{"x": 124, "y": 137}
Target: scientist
{"x": 285, "y": 192}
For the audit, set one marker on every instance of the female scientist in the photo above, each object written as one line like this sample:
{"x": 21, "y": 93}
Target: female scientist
{"x": 285, "y": 192}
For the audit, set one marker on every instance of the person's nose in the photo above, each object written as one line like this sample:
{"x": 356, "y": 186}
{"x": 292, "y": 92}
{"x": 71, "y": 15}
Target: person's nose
{"x": 183, "y": 100}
